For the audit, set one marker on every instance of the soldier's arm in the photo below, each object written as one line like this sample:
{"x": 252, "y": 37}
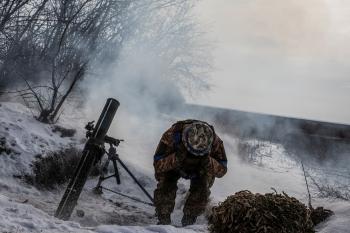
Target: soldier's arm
{"x": 164, "y": 157}
{"x": 218, "y": 159}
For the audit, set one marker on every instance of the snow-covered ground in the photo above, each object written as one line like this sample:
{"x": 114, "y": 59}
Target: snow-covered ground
{"x": 23, "y": 208}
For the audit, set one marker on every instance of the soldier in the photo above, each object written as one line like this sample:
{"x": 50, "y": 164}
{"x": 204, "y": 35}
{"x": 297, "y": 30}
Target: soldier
{"x": 190, "y": 149}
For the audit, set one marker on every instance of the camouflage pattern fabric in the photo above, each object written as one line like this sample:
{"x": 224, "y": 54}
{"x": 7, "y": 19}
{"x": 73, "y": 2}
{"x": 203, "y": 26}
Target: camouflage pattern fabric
{"x": 172, "y": 161}
{"x": 165, "y": 194}
{"x": 198, "y": 138}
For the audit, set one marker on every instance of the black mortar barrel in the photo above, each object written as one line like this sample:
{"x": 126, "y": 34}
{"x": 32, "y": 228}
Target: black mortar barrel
{"x": 105, "y": 120}
{"x": 92, "y": 152}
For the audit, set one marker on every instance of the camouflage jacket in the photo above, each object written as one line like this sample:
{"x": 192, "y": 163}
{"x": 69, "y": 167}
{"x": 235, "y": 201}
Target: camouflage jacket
{"x": 170, "y": 144}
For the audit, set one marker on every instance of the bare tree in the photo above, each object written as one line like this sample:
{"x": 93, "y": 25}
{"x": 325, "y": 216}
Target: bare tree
{"x": 55, "y": 46}
{"x": 17, "y": 17}
{"x": 9, "y": 8}
{"x": 170, "y": 29}
{"x": 49, "y": 46}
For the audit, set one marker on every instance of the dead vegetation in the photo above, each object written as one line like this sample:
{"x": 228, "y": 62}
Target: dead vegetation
{"x": 254, "y": 151}
{"x": 64, "y": 132}
{"x": 3, "y": 146}
{"x": 325, "y": 190}
{"x": 245, "y": 212}
{"x": 55, "y": 168}
{"x": 7, "y": 148}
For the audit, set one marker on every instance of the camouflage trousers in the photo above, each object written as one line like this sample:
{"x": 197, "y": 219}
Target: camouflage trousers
{"x": 165, "y": 194}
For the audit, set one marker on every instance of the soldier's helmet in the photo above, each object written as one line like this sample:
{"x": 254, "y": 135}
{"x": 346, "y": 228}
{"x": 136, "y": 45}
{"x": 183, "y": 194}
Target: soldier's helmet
{"x": 198, "y": 138}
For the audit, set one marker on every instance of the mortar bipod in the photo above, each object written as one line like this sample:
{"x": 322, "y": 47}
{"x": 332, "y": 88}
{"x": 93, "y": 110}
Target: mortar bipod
{"x": 113, "y": 157}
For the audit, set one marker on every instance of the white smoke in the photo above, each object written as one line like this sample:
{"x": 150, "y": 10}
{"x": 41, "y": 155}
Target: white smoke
{"x": 147, "y": 78}
{"x": 144, "y": 84}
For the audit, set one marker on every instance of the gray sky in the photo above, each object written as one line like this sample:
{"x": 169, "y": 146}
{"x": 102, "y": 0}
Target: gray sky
{"x": 287, "y": 57}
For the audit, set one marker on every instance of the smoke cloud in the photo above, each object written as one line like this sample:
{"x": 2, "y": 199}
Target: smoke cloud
{"x": 263, "y": 59}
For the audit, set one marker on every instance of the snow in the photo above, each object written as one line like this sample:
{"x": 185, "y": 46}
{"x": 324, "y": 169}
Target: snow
{"x": 340, "y": 221}
{"x": 26, "y": 137}
{"x": 23, "y": 208}
{"x": 19, "y": 217}
{"x": 149, "y": 229}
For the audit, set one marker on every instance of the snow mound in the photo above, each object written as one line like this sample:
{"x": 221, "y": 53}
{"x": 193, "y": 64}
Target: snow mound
{"x": 25, "y": 138}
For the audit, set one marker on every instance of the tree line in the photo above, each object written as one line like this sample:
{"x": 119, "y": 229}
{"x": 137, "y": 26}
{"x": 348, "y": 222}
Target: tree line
{"x": 48, "y": 46}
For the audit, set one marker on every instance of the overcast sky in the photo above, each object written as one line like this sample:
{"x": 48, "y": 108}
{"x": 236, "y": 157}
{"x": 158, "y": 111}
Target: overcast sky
{"x": 289, "y": 57}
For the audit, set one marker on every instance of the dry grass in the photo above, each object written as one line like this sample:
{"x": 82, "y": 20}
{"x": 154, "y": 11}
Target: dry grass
{"x": 55, "y": 168}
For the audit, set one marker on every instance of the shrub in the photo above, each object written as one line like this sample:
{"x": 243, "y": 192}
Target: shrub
{"x": 64, "y": 131}
{"x": 55, "y": 168}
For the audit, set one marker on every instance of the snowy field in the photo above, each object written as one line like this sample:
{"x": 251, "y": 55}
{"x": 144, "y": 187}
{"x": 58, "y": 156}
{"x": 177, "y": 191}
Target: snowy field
{"x": 23, "y": 208}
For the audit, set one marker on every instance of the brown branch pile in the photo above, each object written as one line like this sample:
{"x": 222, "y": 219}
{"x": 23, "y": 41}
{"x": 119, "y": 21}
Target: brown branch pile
{"x": 246, "y": 212}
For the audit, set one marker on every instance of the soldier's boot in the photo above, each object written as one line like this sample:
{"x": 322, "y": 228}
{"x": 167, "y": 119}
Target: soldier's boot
{"x": 164, "y": 219}
{"x": 188, "y": 219}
